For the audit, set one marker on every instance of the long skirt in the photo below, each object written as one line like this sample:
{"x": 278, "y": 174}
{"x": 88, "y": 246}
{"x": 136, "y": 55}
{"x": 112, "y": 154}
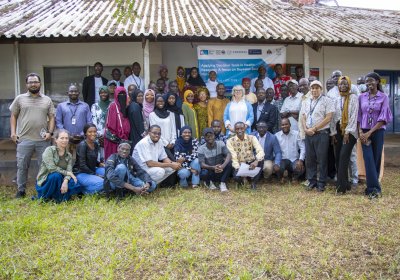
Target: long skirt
{"x": 361, "y": 166}
{"x": 51, "y": 188}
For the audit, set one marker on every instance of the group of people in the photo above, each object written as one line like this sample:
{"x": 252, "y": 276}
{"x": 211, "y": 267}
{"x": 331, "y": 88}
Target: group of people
{"x": 125, "y": 138}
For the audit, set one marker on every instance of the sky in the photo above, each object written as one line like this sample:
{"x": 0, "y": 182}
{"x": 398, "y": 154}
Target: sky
{"x": 372, "y": 4}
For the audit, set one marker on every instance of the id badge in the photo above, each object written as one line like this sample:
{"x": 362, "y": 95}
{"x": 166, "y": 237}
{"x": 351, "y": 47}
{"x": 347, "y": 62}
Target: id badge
{"x": 73, "y": 120}
{"x": 309, "y": 122}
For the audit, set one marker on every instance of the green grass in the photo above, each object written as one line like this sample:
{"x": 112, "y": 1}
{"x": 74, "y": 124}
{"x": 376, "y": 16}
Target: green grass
{"x": 277, "y": 232}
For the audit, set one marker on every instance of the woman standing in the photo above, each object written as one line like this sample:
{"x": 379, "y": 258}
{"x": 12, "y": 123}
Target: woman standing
{"x": 186, "y": 154}
{"x": 117, "y": 124}
{"x": 55, "y": 179}
{"x": 172, "y": 107}
{"x": 148, "y": 106}
{"x": 160, "y": 116}
{"x": 180, "y": 79}
{"x": 89, "y": 171}
{"x": 345, "y": 128}
{"x": 373, "y": 116}
{"x": 136, "y": 118}
{"x": 189, "y": 112}
{"x": 99, "y": 115}
{"x": 238, "y": 110}
{"x": 201, "y": 108}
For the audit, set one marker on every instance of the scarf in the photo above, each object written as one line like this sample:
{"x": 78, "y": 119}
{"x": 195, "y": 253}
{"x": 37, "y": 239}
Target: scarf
{"x": 183, "y": 146}
{"x": 197, "y": 81}
{"x": 345, "y": 111}
{"x": 174, "y": 109}
{"x": 162, "y": 113}
{"x": 187, "y": 92}
{"x": 120, "y": 99}
{"x": 104, "y": 104}
{"x": 180, "y": 80}
{"x": 148, "y": 107}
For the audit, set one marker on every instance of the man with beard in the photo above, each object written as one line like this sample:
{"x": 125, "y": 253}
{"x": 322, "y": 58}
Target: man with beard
{"x": 91, "y": 85}
{"x": 29, "y": 113}
{"x": 123, "y": 172}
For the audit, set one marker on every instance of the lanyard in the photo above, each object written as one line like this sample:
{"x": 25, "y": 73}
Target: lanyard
{"x": 76, "y": 108}
{"x": 140, "y": 80}
{"x": 313, "y": 108}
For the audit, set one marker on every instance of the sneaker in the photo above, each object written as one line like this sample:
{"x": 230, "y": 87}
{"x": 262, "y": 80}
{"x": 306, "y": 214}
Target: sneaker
{"x": 20, "y": 194}
{"x": 212, "y": 186}
{"x": 195, "y": 186}
{"x": 222, "y": 186}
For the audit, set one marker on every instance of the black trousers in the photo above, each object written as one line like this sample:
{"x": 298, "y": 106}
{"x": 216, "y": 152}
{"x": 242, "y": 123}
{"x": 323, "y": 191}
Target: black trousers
{"x": 209, "y": 175}
{"x": 290, "y": 167}
{"x": 317, "y": 157}
{"x": 343, "y": 153}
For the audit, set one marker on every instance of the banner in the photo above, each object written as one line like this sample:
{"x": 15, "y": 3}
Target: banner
{"x": 233, "y": 63}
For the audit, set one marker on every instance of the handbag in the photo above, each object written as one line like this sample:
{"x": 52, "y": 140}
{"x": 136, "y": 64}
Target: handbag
{"x": 112, "y": 137}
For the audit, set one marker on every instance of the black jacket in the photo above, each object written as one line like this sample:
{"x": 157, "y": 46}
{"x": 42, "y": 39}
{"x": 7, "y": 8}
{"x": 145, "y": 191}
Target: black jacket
{"x": 268, "y": 115}
{"x": 136, "y": 121}
{"x": 86, "y": 159}
{"x": 130, "y": 163}
{"x": 88, "y": 89}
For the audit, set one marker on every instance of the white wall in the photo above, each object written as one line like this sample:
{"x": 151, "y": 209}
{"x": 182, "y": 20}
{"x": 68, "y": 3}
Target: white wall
{"x": 7, "y": 86}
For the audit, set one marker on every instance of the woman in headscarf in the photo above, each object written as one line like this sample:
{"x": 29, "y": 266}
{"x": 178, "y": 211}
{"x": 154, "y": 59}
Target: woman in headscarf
{"x": 201, "y": 108}
{"x": 99, "y": 114}
{"x": 180, "y": 79}
{"x": 148, "y": 105}
{"x": 136, "y": 118}
{"x": 189, "y": 112}
{"x": 344, "y": 125}
{"x": 117, "y": 124}
{"x": 238, "y": 110}
{"x": 194, "y": 81}
{"x": 160, "y": 116}
{"x": 373, "y": 116}
{"x": 186, "y": 153}
{"x": 171, "y": 106}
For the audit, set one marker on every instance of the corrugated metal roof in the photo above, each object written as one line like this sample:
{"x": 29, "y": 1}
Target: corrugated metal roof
{"x": 222, "y": 19}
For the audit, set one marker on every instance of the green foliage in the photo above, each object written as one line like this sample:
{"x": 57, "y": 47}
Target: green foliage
{"x": 125, "y": 10}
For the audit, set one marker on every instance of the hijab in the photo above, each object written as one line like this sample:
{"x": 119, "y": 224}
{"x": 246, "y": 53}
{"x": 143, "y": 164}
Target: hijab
{"x": 121, "y": 100}
{"x": 104, "y": 104}
{"x": 183, "y": 146}
{"x": 174, "y": 109}
{"x": 148, "y": 107}
{"x": 198, "y": 81}
{"x": 345, "y": 111}
{"x": 180, "y": 80}
{"x": 161, "y": 113}
{"x": 187, "y": 92}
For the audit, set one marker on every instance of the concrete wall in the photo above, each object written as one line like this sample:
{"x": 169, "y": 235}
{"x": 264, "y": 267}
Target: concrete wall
{"x": 7, "y": 86}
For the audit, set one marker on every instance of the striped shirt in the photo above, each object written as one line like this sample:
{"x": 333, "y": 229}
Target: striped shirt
{"x": 31, "y": 113}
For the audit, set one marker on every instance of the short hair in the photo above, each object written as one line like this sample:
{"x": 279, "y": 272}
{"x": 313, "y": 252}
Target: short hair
{"x": 239, "y": 123}
{"x": 154, "y": 126}
{"x": 87, "y": 126}
{"x": 287, "y": 120}
{"x": 58, "y": 131}
{"x": 220, "y": 84}
{"x": 161, "y": 79}
{"x": 278, "y": 64}
{"x": 116, "y": 69}
{"x": 262, "y": 123}
{"x": 215, "y": 121}
{"x": 298, "y": 67}
{"x": 98, "y": 63}
{"x": 136, "y": 63}
{"x": 32, "y": 75}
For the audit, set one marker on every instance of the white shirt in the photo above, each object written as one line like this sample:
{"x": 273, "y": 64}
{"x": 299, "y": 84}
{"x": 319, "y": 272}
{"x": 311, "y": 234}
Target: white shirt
{"x": 290, "y": 145}
{"x": 292, "y": 103}
{"x": 168, "y": 129}
{"x": 98, "y": 83}
{"x": 267, "y": 83}
{"x": 352, "y": 112}
{"x": 134, "y": 80}
{"x": 237, "y": 113}
{"x": 147, "y": 150}
{"x": 212, "y": 88}
{"x": 316, "y": 110}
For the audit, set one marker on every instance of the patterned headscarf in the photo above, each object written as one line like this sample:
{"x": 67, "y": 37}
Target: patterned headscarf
{"x": 345, "y": 112}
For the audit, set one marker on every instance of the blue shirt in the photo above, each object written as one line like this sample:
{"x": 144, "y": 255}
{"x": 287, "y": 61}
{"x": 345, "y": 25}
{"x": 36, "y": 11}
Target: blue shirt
{"x": 67, "y": 112}
{"x": 271, "y": 147}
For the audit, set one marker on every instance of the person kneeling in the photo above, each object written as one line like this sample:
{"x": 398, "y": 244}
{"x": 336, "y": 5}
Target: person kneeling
{"x": 123, "y": 172}
{"x": 245, "y": 149}
{"x": 215, "y": 161}
{"x": 55, "y": 179}
{"x": 186, "y": 154}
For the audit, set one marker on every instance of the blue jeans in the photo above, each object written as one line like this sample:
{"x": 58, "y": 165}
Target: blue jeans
{"x": 89, "y": 183}
{"x": 372, "y": 161}
{"x": 185, "y": 173}
{"x": 124, "y": 175}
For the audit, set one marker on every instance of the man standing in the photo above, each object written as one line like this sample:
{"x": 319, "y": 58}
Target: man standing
{"x": 73, "y": 114}
{"x": 272, "y": 150}
{"x": 116, "y": 75}
{"x": 264, "y": 111}
{"x": 292, "y": 104}
{"x": 293, "y": 151}
{"x": 135, "y": 78}
{"x": 215, "y": 161}
{"x": 216, "y": 106}
{"x": 212, "y": 83}
{"x": 279, "y": 80}
{"x": 262, "y": 75}
{"x": 317, "y": 113}
{"x": 249, "y": 96}
{"x": 91, "y": 85}
{"x": 152, "y": 158}
{"x": 29, "y": 112}
{"x": 245, "y": 149}
{"x": 299, "y": 72}
{"x": 123, "y": 172}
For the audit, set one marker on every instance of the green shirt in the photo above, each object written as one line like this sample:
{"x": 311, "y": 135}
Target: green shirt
{"x": 52, "y": 162}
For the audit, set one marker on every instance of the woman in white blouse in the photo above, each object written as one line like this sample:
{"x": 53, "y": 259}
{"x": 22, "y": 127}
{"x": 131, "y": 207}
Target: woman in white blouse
{"x": 344, "y": 131}
{"x": 238, "y": 110}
